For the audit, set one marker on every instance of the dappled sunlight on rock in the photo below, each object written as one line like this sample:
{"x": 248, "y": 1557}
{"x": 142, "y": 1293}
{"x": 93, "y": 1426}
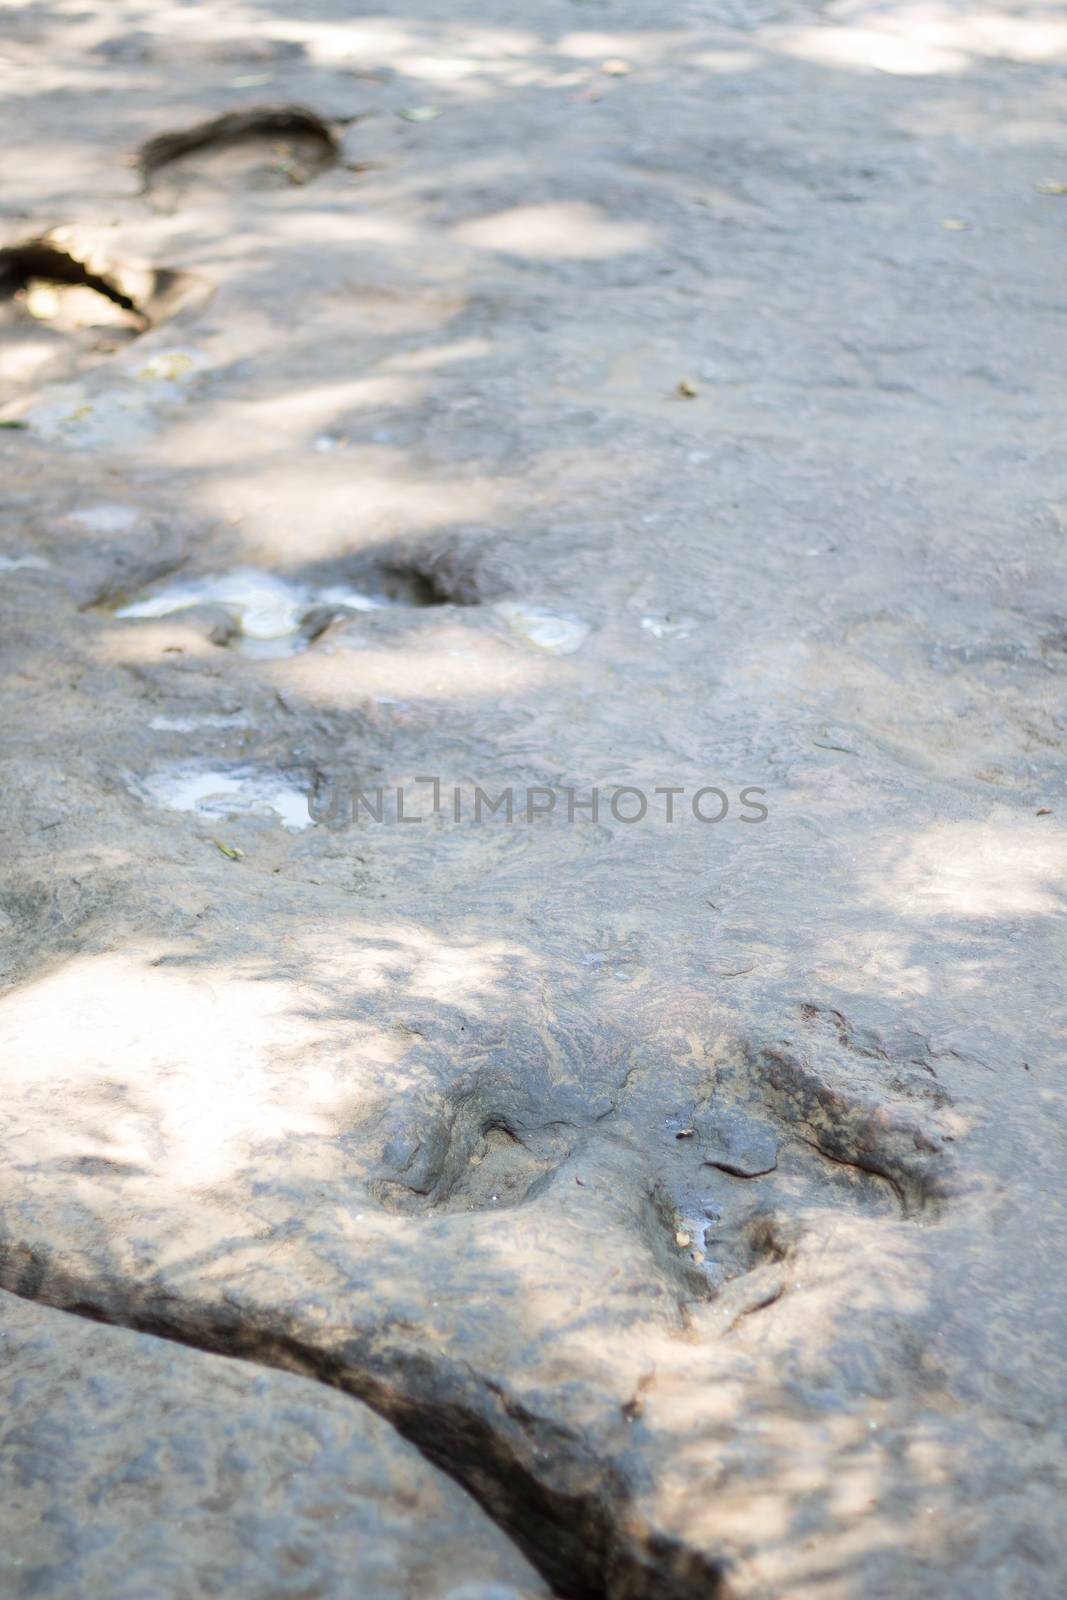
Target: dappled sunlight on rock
{"x": 168, "y": 1067}
{"x": 727, "y": 61}
{"x": 445, "y": 663}
{"x": 387, "y": 501}
{"x": 179, "y": 1073}
{"x": 443, "y": 355}
{"x": 407, "y": 958}
{"x": 314, "y": 407}
{"x": 878, "y": 962}
{"x": 1008, "y": 866}
{"x": 557, "y": 230}
{"x": 648, "y": 45}
{"x": 622, "y": 408}
{"x": 925, "y": 39}
{"x": 838, "y": 1464}
{"x": 874, "y": 50}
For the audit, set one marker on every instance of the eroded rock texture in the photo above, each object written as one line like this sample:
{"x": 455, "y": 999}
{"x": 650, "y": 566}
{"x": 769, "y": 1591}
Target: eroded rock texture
{"x": 133, "y": 1467}
{"x": 684, "y": 1197}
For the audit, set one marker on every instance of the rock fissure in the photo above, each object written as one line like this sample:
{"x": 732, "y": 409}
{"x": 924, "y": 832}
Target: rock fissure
{"x": 536, "y": 1479}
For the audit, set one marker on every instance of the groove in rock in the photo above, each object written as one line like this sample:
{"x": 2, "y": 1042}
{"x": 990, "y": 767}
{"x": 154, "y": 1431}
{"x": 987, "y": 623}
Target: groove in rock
{"x": 565, "y": 1509}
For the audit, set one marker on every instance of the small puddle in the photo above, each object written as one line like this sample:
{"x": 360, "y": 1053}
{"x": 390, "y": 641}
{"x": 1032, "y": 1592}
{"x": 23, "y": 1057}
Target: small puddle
{"x": 23, "y": 564}
{"x": 105, "y": 519}
{"x": 228, "y": 792}
{"x": 163, "y": 724}
{"x": 274, "y": 616}
{"x": 549, "y": 630}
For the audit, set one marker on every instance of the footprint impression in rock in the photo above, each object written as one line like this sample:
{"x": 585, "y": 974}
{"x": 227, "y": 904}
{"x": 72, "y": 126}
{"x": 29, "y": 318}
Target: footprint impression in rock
{"x": 266, "y": 147}
{"x": 65, "y": 305}
{"x": 268, "y": 614}
{"x": 263, "y": 614}
{"x": 825, "y": 1118}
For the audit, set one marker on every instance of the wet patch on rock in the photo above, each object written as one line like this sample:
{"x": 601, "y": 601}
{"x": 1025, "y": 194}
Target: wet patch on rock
{"x": 551, "y": 631}
{"x": 260, "y": 613}
{"x": 832, "y": 1119}
{"x": 242, "y": 791}
{"x": 714, "y": 1224}
{"x": 267, "y": 615}
{"x": 265, "y": 147}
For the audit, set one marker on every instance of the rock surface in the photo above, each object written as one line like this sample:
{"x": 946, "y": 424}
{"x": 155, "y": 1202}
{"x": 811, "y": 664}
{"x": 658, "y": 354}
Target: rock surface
{"x": 132, "y": 1467}
{"x": 701, "y": 425}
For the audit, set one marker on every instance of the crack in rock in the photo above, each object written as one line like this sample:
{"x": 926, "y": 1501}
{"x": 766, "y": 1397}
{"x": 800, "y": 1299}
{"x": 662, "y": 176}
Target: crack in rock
{"x": 567, "y": 1510}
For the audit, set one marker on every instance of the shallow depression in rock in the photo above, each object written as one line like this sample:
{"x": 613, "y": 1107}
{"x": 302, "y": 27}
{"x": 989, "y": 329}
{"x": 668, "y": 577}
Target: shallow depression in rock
{"x": 551, "y": 631}
{"x": 63, "y": 301}
{"x": 273, "y": 616}
{"x": 226, "y": 792}
{"x": 263, "y": 147}
{"x": 51, "y": 284}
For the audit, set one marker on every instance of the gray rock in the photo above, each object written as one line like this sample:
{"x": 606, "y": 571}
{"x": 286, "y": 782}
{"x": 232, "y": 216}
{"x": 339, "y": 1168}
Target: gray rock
{"x": 737, "y": 1143}
{"x": 139, "y": 1469}
{"x": 396, "y": 1106}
